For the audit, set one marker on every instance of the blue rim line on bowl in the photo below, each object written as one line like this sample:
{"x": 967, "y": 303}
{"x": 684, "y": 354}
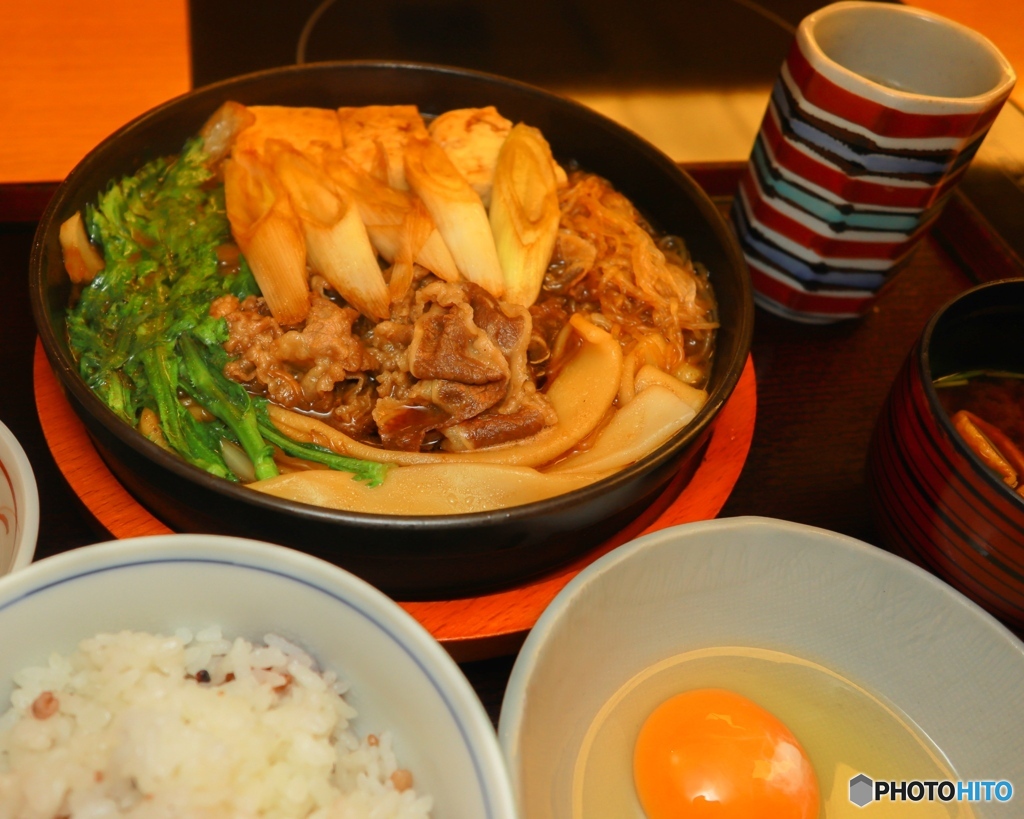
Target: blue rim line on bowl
{"x": 41, "y": 576}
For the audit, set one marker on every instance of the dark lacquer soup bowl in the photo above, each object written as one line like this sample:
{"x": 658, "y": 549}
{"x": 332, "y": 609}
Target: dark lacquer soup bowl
{"x": 936, "y": 498}
{"x": 414, "y": 557}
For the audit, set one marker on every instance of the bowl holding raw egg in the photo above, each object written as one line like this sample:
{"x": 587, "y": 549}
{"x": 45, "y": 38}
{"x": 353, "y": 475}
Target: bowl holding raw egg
{"x": 749, "y": 667}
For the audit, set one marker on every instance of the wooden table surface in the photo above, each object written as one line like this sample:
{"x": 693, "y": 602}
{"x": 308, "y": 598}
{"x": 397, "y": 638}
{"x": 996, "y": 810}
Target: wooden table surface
{"x": 71, "y": 73}
{"x": 819, "y": 388}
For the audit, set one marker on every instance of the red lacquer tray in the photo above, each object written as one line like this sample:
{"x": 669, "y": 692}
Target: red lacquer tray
{"x": 470, "y": 628}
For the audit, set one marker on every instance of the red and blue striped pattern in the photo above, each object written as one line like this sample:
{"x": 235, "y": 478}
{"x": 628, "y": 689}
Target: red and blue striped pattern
{"x": 839, "y": 189}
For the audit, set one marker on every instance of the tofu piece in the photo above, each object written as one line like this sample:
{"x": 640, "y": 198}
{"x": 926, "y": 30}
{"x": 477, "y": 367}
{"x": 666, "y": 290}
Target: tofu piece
{"x": 472, "y": 138}
{"x": 299, "y": 127}
{"x": 374, "y": 137}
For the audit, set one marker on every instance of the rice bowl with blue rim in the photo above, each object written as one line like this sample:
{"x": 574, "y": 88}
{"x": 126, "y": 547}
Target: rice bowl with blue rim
{"x": 400, "y": 681}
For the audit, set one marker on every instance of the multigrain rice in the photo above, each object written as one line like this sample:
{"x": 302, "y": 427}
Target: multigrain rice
{"x": 192, "y": 726}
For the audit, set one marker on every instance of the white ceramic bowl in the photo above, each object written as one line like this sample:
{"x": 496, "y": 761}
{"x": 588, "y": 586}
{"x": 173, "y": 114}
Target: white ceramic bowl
{"x": 19, "y": 504}
{"x": 401, "y": 679}
{"x": 874, "y": 618}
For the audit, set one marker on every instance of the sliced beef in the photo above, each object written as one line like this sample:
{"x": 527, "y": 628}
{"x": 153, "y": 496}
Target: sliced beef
{"x": 353, "y": 413}
{"x": 326, "y": 351}
{"x": 448, "y": 344}
{"x": 405, "y": 418}
{"x": 448, "y": 368}
{"x": 505, "y": 329}
{"x": 492, "y": 428}
{"x": 404, "y": 423}
{"x": 462, "y": 401}
{"x": 510, "y": 326}
{"x": 295, "y": 368}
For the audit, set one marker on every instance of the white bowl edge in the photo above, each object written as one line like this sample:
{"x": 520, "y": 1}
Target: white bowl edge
{"x": 292, "y": 565}
{"x": 956, "y": 610}
{"x": 23, "y": 480}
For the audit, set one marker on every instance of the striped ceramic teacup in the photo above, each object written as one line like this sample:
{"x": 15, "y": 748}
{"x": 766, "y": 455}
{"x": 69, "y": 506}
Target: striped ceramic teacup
{"x": 876, "y": 114}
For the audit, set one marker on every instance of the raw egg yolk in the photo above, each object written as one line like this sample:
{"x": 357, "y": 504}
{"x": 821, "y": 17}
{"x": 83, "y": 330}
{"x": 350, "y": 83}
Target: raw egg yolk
{"x": 713, "y": 753}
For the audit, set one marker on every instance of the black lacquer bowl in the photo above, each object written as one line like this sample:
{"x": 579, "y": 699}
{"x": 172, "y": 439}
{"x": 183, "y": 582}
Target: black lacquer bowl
{"x": 408, "y": 557}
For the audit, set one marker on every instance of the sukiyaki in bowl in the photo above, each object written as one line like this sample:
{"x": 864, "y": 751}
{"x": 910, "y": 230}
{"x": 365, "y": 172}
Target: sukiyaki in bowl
{"x": 573, "y": 344}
